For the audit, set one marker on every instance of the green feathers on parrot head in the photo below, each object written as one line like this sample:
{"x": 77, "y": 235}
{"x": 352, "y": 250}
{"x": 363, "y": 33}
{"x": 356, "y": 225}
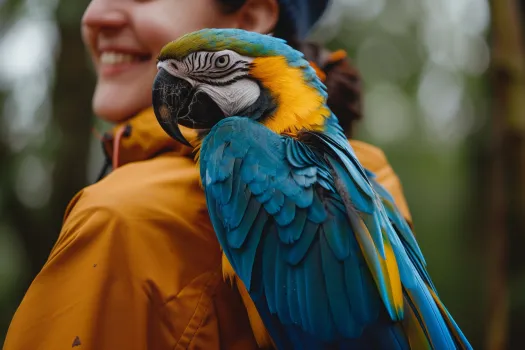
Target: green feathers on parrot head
{"x": 212, "y": 74}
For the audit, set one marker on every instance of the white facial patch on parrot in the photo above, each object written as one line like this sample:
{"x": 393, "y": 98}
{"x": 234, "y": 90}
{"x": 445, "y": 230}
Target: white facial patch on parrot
{"x": 222, "y": 75}
{"x": 235, "y": 97}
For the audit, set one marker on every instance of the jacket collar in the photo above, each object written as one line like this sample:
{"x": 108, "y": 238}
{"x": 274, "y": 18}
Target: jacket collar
{"x": 141, "y": 138}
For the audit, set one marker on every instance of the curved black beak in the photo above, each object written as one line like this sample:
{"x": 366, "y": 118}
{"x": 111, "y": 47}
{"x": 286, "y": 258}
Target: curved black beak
{"x": 171, "y": 97}
{"x": 175, "y": 102}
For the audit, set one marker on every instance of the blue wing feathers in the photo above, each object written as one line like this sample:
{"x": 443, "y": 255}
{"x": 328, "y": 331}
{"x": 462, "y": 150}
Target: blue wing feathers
{"x": 269, "y": 267}
{"x": 236, "y": 149}
{"x": 264, "y": 196}
{"x": 237, "y": 236}
{"x": 248, "y": 257}
{"x": 298, "y": 251}
{"x": 282, "y": 289}
{"x": 304, "y": 198}
{"x": 213, "y": 169}
{"x": 437, "y": 329}
{"x": 263, "y": 174}
{"x": 357, "y": 202}
{"x": 274, "y": 204}
{"x": 293, "y": 297}
{"x": 335, "y": 231}
{"x": 225, "y": 168}
{"x": 299, "y": 179}
{"x": 260, "y": 185}
{"x": 292, "y": 232}
{"x": 287, "y": 213}
{"x": 340, "y": 306}
{"x": 397, "y": 219}
{"x": 317, "y": 307}
{"x": 226, "y": 189}
{"x": 373, "y": 260}
{"x": 290, "y": 186}
{"x": 305, "y": 229}
{"x": 234, "y": 210}
{"x": 248, "y": 171}
{"x": 317, "y": 211}
{"x": 360, "y": 286}
{"x": 300, "y": 278}
{"x": 309, "y": 172}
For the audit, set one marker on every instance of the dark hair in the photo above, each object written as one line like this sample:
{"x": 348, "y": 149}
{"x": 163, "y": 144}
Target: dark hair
{"x": 341, "y": 78}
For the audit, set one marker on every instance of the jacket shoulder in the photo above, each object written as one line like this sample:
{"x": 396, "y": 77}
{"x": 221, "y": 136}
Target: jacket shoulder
{"x": 157, "y": 211}
{"x": 371, "y": 157}
{"x": 375, "y": 160}
{"x": 159, "y": 186}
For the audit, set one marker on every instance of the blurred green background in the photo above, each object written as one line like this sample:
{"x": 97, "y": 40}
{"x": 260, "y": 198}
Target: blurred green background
{"x": 443, "y": 81}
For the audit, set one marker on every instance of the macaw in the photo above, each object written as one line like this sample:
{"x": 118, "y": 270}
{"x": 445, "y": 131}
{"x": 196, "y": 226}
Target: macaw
{"x": 319, "y": 245}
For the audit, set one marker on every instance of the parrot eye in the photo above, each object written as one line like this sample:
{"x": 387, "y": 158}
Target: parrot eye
{"x": 222, "y": 61}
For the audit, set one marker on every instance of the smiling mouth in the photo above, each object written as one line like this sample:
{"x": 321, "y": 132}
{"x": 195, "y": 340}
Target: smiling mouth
{"x": 116, "y": 58}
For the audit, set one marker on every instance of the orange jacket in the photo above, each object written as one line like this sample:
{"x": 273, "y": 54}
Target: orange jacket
{"x": 137, "y": 264}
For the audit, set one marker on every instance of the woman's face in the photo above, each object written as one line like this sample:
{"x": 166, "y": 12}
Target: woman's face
{"x": 124, "y": 38}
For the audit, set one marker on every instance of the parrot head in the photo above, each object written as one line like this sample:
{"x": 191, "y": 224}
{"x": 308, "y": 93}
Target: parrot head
{"x": 212, "y": 74}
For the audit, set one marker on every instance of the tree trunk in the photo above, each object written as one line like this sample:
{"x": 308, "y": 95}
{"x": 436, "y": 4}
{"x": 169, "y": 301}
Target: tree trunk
{"x": 507, "y": 168}
{"x": 73, "y": 115}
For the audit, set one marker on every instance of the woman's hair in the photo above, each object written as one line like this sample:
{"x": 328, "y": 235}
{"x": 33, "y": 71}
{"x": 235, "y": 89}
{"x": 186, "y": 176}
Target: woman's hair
{"x": 341, "y": 78}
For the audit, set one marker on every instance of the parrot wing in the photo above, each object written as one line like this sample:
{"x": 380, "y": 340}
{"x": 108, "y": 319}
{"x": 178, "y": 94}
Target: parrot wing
{"x": 428, "y": 324}
{"x": 311, "y": 240}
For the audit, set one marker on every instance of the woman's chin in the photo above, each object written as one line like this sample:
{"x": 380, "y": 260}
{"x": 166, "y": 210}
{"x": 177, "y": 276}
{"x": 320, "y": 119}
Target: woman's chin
{"x": 116, "y": 104}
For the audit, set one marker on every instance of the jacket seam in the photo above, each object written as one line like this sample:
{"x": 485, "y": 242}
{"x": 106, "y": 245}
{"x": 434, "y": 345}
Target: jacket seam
{"x": 209, "y": 288}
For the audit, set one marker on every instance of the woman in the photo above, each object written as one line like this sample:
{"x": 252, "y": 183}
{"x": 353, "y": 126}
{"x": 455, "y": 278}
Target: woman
{"x": 136, "y": 264}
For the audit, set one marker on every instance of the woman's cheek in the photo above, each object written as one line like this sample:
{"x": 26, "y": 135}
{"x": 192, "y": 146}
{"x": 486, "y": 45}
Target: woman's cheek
{"x": 159, "y": 22}
{"x": 158, "y": 26}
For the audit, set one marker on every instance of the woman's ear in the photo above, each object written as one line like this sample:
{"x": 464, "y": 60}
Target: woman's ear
{"x": 258, "y": 16}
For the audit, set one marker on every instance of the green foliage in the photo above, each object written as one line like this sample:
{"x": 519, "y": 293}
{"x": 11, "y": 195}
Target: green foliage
{"x": 10, "y": 10}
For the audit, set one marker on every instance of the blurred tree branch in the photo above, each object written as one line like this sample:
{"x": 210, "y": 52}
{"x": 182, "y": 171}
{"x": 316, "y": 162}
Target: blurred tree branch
{"x": 507, "y": 167}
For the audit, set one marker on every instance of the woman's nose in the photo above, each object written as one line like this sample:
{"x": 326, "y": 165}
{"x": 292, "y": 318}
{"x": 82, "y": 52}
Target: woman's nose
{"x": 105, "y": 14}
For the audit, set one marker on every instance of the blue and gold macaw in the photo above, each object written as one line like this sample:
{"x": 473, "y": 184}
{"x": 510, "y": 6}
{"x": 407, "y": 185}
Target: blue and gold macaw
{"x": 320, "y": 247}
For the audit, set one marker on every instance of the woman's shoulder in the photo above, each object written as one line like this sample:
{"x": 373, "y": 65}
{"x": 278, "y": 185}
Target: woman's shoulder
{"x": 154, "y": 211}
{"x": 157, "y": 186}
{"x": 157, "y": 197}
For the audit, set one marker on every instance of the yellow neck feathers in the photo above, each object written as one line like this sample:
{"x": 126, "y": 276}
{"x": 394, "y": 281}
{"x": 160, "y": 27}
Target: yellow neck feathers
{"x": 299, "y": 106}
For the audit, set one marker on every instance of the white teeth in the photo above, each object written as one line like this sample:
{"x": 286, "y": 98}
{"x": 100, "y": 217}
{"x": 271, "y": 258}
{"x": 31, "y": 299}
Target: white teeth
{"x": 116, "y": 58}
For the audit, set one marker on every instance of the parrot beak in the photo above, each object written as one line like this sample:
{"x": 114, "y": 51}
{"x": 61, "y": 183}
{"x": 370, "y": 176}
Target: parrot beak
{"x": 175, "y": 102}
{"x": 171, "y": 97}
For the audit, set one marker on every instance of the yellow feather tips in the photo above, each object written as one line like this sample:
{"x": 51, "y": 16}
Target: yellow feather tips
{"x": 227, "y": 270}
{"x": 417, "y": 338}
{"x": 197, "y": 153}
{"x": 391, "y": 271}
{"x": 299, "y": 105}
{"x": 262, "y": 337}
{"x": 386, "y": 275}
{"x": 259, "y": 330}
